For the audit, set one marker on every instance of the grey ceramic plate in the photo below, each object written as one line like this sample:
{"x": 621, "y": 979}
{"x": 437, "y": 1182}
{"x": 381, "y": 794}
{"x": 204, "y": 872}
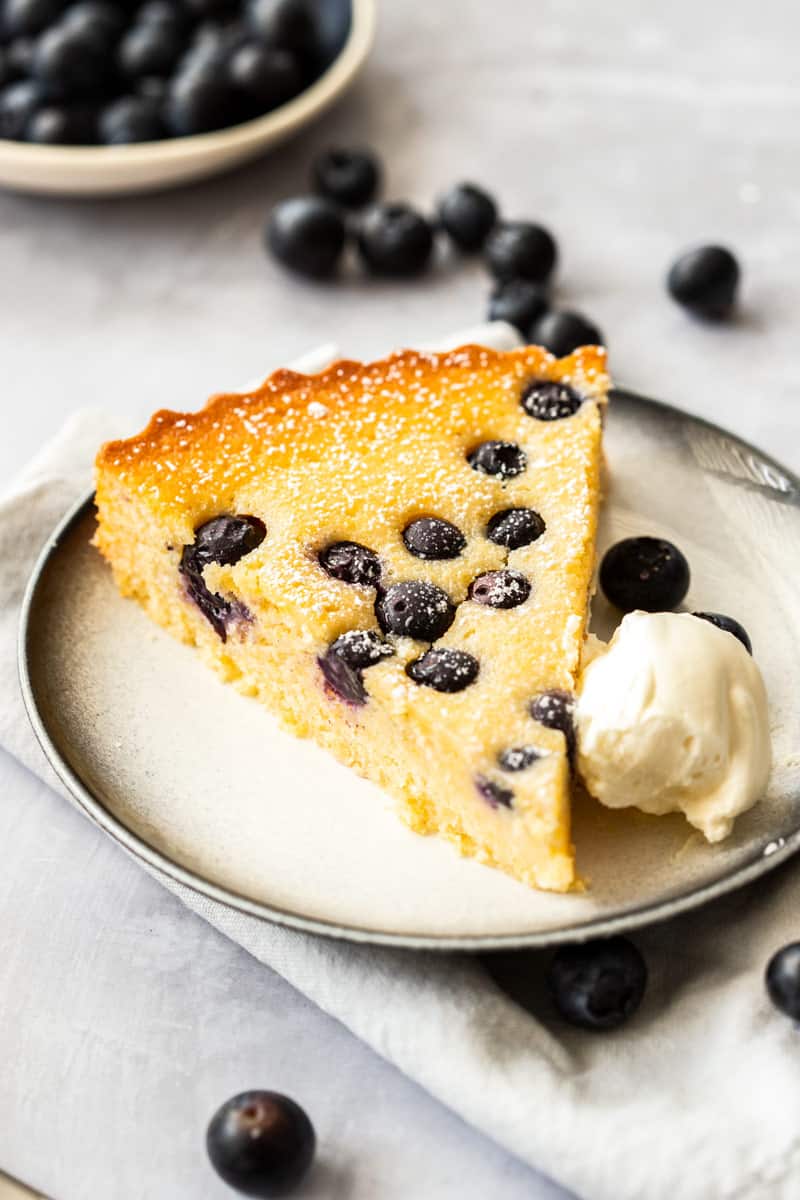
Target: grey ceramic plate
{"x": 198, "y": 781}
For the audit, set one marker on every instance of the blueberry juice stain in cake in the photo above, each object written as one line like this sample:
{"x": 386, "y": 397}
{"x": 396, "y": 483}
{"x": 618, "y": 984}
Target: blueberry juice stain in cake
{"x": 222, "y": 541}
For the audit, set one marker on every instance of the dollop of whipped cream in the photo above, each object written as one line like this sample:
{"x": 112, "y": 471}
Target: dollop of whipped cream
{"x": 672, "y": 716}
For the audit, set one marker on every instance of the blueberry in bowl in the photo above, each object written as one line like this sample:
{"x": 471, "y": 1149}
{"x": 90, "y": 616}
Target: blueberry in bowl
{"x": 229, "y": 70}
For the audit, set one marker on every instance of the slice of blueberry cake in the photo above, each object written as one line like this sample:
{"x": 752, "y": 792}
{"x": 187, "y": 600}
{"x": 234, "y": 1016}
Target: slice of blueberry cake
{"x": 396, "y": 557}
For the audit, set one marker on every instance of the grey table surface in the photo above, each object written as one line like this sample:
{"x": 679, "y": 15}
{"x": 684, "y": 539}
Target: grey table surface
{"x": 632, "y": 132}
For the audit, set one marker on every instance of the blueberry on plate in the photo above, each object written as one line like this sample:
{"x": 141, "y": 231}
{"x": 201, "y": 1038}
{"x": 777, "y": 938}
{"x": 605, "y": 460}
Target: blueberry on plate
{"x": 18, "y": 102}
{"x": 598, "y": 985}
{"x": 415, "y": 609}
{"x": 261, "y": 1143}
{"x": 200, "y": 101}
{"x": 132, "y": 119}
{"x": 151, "y": 48}
{"x": 307, "y": 234}
{"x": 395, "y": 240}
{"x": 26, "y": 18}
{"x": 563, "y": 332}
{"x": 783, "y": 980}
{"x": 705, "y": 281}
{"x": 72, "y": 63}
{"x": 287, "y": 24}
{"x": 444, "y": 669}
{"x": 62, "y": 125}
{"x": 348, "y": 177}
{"x": 267, "y": 77}
{"x": 520, "y": 302}
{"x": 520, "y": 250}
{"x": 467, "y": 214}
{"x": 730, "y": 625}
{"x": 647, "y": 573}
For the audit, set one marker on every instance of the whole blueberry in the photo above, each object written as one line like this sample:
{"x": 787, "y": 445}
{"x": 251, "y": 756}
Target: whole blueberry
{"x": 730, "y": 625}
{"x": 286, "y": 24}
{"x": 467, "y": 214}
{"x": 395, "y": 240}
{"x": 19, "y": 58}
{"x": 550, "y": 400}
{"x": 415, "y": 609}
{"x": 496, "y": 794}
{"x": 598, "y": 985}
{"x": 521, "y": 250}
{"x": 98, "y": 19}
{"x": 515, "y": 527}
{"x": 518, "y": 758}
{"x": 520, "y": 302}
{"x": 351, "y": 562}
{"x": 267, "y": 77}
{"x": 555, "y": 709}
{"x": 261, "y": 1143}
{"x": 72, "y": 63}
{"x": 433, "y": 538}
{"x": 563, "y": 332}
{"x": 62, "y": 125}
{"x": 18, "y": 102}
{"x": 150, "y": 48}
{"x": 346, "y": 658}
{"x": 163, "y": 13}
{"x": 307, "y": 234}
{"x": 783, "y": 980}
{"x": 201, "y": 101}
{"x": 705, "y": 281}
{"x": 131, "y": 119}
{"x": 346, "y": 176}
{"x": 500, "y": 589}
{"x": 26, "y": 18}
{"x": 152, "y": 87}
{"x": 444, "y": 669}
{"x": 211, "y": 45}
{"x": 502, "y": 459}
{"x": 646, "y": 573}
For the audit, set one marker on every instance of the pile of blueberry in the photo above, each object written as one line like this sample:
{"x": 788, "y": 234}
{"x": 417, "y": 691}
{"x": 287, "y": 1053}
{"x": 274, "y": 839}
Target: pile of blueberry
{"x": 122, "y": 71}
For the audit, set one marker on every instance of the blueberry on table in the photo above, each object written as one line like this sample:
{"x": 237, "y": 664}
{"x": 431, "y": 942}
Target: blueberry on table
{"x": 348, "y": 177}
{"x": 646, "y": 573}
{"x": 132, "y": 119}
{"x": 62, "y": 125}
{"x": 521, "y": 250}
{"x": 18, "y": 103}
{"x": 783, "y": 980}
{"x": 520, "y": 302}
{"x": 307, "y": 234}
{"x": 150, "y": 49}
{"x": 72, "y": 63}
{"x": 395, "y": 240}
{"x": 29, "y": 17}
{"x": 467, "y": 214}
{"x": 266, "y": 77}
{"x": 415, "y": 609}
{"x": 705, "y": 281}
{"x": 563, "y": 332}
{"x": 261, "y": 1143}
{"x": 598, "y": 985}
{"x": 730, "y": 625}
{"x": 444, "y": 669}
{"x": 286, "y": 24}
{"x": 433, "y": 538}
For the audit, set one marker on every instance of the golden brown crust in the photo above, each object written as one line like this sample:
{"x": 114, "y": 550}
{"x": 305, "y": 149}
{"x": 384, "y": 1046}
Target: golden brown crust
{"x": 286, "y": 392}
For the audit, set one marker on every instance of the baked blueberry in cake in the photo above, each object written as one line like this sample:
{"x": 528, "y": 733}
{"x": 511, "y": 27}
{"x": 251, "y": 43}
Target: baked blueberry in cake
{"x": 396, "y": 558}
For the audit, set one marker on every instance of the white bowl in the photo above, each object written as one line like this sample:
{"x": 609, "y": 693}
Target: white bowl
{"x": 109, "y": 170}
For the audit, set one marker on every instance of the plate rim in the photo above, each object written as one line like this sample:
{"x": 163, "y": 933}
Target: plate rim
{"x": 158, "y": 862}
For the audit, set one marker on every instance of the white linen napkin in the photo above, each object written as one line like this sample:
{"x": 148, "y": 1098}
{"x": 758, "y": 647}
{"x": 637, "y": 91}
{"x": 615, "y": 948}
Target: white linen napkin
{"x": 697, "y": 1098}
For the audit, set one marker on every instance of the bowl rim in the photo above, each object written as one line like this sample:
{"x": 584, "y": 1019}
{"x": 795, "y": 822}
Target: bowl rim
{"x": 245, "y": 136}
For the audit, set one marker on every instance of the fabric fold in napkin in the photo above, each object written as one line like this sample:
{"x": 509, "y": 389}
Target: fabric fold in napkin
{"x": 697, "y": 1098}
